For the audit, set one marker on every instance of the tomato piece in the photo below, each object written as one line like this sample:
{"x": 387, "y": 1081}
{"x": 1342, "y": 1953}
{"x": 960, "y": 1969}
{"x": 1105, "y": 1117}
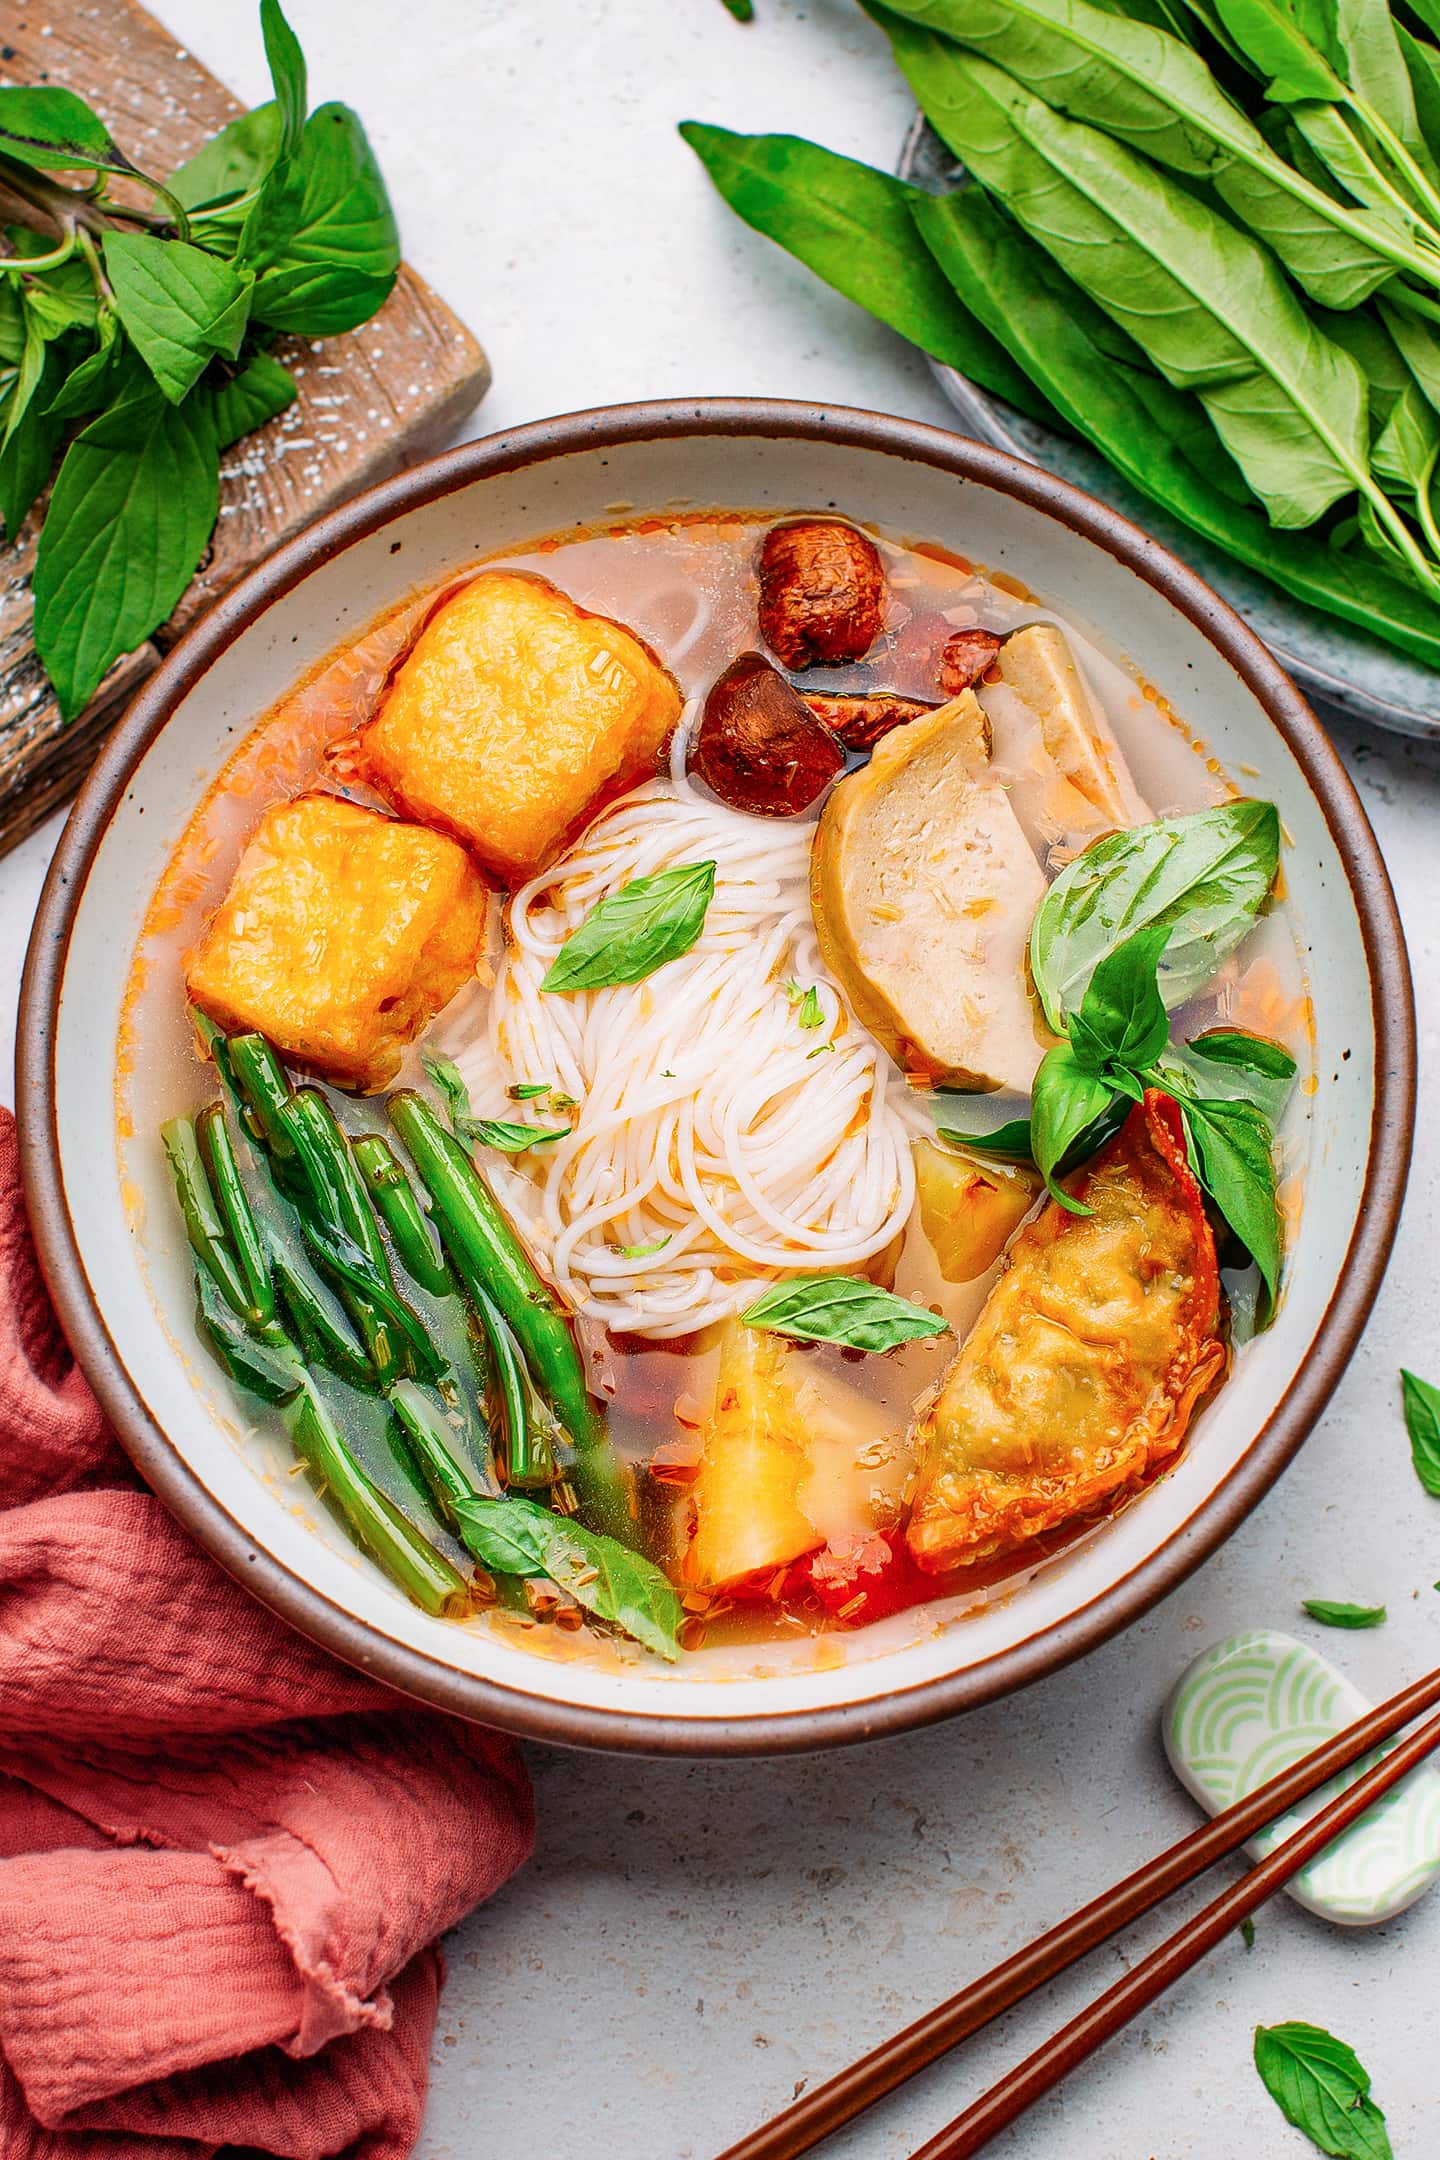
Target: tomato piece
{"x": 863, "y": 1577}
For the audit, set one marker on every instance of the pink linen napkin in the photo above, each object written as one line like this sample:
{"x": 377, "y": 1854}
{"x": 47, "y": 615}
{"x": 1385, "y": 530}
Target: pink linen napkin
{"x": 224, "y": 1857}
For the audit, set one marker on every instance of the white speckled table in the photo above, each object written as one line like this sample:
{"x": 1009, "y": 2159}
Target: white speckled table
{"x": 692, "y": 1941}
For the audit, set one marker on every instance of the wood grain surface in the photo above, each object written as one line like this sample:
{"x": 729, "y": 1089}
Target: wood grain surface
{"x": 369, "y": 402}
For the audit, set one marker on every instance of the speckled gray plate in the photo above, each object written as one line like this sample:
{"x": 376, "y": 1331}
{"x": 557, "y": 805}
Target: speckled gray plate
{"x": 1338, "y": 667}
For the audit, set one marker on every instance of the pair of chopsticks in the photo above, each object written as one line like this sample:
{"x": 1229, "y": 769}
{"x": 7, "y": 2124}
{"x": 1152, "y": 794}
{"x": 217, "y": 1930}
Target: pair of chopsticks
{"x": 841, "y": 2098}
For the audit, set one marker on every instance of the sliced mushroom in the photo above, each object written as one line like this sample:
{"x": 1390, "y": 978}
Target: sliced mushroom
{"x": 966, "y": 655}
{"x": 1038, "y": 665}
{"x": 758, "y": 746}
{"x": 860, "y": 721}
{"x": 822, "y": 593}
{"x": 923, "y": 886}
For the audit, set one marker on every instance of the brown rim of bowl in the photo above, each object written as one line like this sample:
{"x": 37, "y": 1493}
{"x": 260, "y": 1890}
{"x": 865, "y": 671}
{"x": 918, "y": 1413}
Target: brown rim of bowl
{"x": 1392, "y": 1120}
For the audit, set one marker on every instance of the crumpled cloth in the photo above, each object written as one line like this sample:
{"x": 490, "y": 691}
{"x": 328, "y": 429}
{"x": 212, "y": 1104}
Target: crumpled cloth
{"x": 224, "y": 1858}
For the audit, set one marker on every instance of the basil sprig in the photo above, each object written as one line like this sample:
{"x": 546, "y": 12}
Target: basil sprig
{"x": 135, "y": 350}
{"x": 630, "y": 933}
{"x": 1320, "y": 2085}
{"x": 1202, "y": 878}
{"x": 841, "y": 1309}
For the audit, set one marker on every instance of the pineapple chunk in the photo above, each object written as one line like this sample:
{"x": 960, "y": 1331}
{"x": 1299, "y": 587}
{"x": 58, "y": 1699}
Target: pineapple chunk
{"x": 754, "y": 1460}
{"x": 970, "y": 1210}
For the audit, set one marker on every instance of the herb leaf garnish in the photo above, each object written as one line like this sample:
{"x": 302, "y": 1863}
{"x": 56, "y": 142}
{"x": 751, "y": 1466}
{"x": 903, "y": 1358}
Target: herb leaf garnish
{"x": 1065, "y": 1102}
{"x": 1011, "y": 1142}
{"x": 1203, "y": 878}
{"x": 511, "y": 1139}
{"x": 841, "y": 1309}
{"x": 1320, "y": 2085}
{"x": 630, "y": 933}
{"x": 1422, "y": 1422}
{"x": 1331, "y": 1614}
{"x": 519, "y": 1537}
{"x": 179, "y": 305}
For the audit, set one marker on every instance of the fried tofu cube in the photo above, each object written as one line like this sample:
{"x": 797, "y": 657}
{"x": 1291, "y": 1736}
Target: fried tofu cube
{"x": 342, "y": 935}
{"x": 514, "y": 718}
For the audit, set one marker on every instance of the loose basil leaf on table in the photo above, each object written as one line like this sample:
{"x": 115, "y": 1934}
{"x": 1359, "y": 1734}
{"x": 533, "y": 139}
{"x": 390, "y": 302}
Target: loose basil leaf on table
{"x": 1122, "y": 1019}
{"x": 519, "y": 1537}
{"x": 1320, "y": 2085}
{"x": 1331, "y": 1614}
{"x": 852, "y": 226}
{"x": 1065, "y": 1102}
{"x": 626, "y": 936}
{"x": 841, "y": 1309}
{"x": 1204, "y": 877}
{"x": 1422, "y": 1423}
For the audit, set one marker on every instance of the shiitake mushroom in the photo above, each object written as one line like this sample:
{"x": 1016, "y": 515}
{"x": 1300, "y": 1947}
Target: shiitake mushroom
{"x": 822, "y": 593}
{"x": 758, "y": 746}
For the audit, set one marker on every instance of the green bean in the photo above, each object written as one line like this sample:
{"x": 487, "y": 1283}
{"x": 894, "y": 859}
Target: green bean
{"x": 217, "y": 1151}
{"x": 529, "y": 1426}
{"x": 204, "y": 1226}
{"x": 432, "y": 1438}
{"x": 323, "y": 1336}
{"x": 400, "y": 1210}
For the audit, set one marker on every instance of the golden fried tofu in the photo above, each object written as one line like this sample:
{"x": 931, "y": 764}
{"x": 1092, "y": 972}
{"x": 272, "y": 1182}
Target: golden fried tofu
{"x": 514, "y": 718}
{"x": 342, "y": 935}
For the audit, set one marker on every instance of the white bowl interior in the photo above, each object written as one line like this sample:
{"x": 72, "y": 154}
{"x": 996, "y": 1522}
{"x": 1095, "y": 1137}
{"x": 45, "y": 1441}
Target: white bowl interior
{"x": 136, "y": 1263}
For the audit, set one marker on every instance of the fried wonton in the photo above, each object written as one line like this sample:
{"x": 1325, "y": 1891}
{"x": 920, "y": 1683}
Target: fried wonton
{"x": 1086, "y": 1364}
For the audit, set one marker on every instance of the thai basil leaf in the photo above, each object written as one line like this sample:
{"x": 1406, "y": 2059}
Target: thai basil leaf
{"x": 511, "y": 1139}
{"x": 322, "y": 238}
{"x": 1233, "y": 1147}
{"x": 1010, "y": 1142}
{"x": 1343, "y": 1616}
{"x": 1065, "y": 1101}
{"x": 232, "y": 161}
{"x": 1152, "y": 91}
{"x": 1203, "y": 877}
{"x": 27, "y": 455}
{"x": 1066, "y": 345}
{"x": 132, "y": 511}
{"x": 841, "y": 1309}
{"x": 287, "y": 73}
{"x": 262, "y": 389}
{"x": 1209, "y": 306}
{"x": 179, "y": 305}
{"x": 1122, "y": 1018}
{"x": 1422, "y": 1423}
{"x": 110, "y": 374}
{"x": 51, "y": 128}
{"x": 518, "y": 1537}
{"x": 1320, "y": 2085}
{"x": 851, "y": 225}
{"x": 626, "y": 936}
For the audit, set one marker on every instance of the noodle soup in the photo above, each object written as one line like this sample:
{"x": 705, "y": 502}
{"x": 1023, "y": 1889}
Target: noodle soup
{"x": 607, "y": 981}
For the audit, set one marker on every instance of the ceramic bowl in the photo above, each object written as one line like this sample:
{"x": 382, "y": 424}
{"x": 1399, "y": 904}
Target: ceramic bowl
{"x": 118, "y": 1269}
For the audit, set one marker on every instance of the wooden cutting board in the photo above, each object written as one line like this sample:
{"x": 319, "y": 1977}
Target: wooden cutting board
{"x": 369, "y": 402}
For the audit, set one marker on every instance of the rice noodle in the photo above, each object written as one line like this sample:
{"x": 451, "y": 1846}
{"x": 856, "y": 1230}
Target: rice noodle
{"x": 709, "y": 1118}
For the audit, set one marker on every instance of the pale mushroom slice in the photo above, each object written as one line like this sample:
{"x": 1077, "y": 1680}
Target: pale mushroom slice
{"x": 1037, "y": 664}
{"x": 923, "y": 887}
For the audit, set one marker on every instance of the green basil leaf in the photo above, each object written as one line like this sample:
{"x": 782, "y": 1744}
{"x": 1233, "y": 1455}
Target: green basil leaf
{"x": 851, "y": 225}
{"x": 1204, "y": 877}
{"x": 742, "y": 10}
{"x": 1122, "y": 1018}
{"x": 1248, "y": 1053}
{"x": 287, "y": 73}
{"x": 626, "y": 936}
{"x": 27, "y": 374}
{"x": 528, "y": 1090}
{"x": 262, "y": 389}
{"x": 841, "y": 1309}
{"x": 110, "y": 374}
{"x": 231, "y": 162}
{"x": 1010, "y": 1142}
{"x": 1232, "y": 1146}
{"x": 811, "y": 1013}
{"x": 518, "y": 1537}
{"x": 27, "y": 454}
{"x": 1067, "y": 346}
{"x": 511, "y": 1139}
{"x": 59, "y": 299}
{"x": 1228, "y": 1062}
{"x": 322, "y": 238}
{"x": 1343, "y": 1616}
{"x": 1319, "y": 2085}
{"x": 132, "y": 510}
{"x": 179, "y": 305}
{"x": 1065, "y": 1102}
{"x": 50, "y": 127}
{"x": 1422, "y": 1423}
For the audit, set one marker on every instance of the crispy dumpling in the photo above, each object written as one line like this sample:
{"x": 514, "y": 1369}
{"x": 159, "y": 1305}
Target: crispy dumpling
{"x": 342, "y": 935}
{"x": 514, "y": 718}
{"x": 1086, "y": 1364}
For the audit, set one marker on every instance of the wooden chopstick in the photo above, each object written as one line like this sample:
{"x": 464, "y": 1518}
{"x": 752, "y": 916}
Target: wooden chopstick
{"x": 841, "y": 2098}
{"x": 1109, "y": 2012}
